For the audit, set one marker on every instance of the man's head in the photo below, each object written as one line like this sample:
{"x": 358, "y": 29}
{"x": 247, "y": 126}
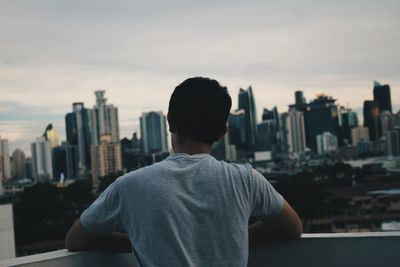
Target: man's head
{"x": 198, "y": 109}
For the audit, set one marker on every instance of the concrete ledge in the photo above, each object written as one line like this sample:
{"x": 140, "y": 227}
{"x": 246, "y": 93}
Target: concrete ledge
{"x": 345, "y": 250}
{"x": 63, "y": 258}
{"x": 329, "y": 250}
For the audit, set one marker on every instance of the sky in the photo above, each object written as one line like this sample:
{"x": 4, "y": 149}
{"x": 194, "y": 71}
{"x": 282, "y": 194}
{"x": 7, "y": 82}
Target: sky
{"x": 54, "y": 53}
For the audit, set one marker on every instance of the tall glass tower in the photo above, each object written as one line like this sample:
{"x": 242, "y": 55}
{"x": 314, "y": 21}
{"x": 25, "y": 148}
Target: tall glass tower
{"x": 371, "y": 119}
{"x": 382, "y": 96}
{"x": 79, "y": 130}
{"x": 246, "y": 102}
{"x": 153, "y": 128}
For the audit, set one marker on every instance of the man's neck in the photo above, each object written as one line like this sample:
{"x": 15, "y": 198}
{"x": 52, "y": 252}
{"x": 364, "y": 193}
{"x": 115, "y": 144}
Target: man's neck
{"x": 191, "y": 147}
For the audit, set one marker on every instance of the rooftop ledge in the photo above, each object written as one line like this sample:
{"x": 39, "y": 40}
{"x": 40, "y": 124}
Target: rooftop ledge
{"x": 347, "y": 249}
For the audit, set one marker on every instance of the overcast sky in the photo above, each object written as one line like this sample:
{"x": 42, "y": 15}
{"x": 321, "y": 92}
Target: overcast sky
{"x": 54, "y": 53}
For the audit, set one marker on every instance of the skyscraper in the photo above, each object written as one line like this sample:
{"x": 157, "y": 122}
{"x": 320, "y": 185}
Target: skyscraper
{"x": 386, "y": 121}
{"x": 42, "y": 165}
{"x": 237, "y": 128}
{"x": 392, "y": 142}
{"x": 382, "y": 96}
{"x": 51, "y": 135}
{"x": 79, "y": 129}
{"x": 396, "y": 119}
{"x": 153, "y": 129}
{"x": 5, "y": 168}
{"x": 359, "y": 134}
{"x": 299, "y": 98}
{"x": 268, "y": 131}
{"x": 293, "y": 132}
{"x": 371, "y": 119}
{"x": 349, "y": 120}
{"x": 18, "y": 164}
{"x": 320, "y": 115}
{"x": 326, "y": 142}
{"x": 106, "y": 159}
{"x": 106, "y": 118}
{"x": 246, "y": 102}
{"x": 265, "y": 135}
{"x": 65, "y": 158}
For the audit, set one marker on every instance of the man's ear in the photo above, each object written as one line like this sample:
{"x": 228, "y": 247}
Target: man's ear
{"x": 172, "y": 127}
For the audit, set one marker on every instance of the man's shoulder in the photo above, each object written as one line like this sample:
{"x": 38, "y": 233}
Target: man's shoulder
{"x": 140, "y": 174}
{"x": 146, "y": 174}
{"x": 244, "y": 168}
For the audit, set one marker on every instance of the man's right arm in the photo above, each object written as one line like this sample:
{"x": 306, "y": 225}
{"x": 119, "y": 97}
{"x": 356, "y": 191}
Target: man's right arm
{"x": 282, "y": 226}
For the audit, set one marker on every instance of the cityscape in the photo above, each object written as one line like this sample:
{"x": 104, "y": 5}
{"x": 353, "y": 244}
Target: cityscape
{"x": 315, "y": 90}
{"x": 339, "y": 174}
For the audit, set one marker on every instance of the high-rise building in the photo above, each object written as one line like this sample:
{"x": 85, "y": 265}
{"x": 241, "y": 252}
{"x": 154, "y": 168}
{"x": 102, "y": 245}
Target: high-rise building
{"x": 326, "y": 142}
{"x": 51, "y": 135}
{"x": 5, "y": 167}
{"x": 237, "y": 128}
{"x": 270, "y": 114}
{"x": 106, "y": 159}
{"x": 18, "y": 164}
{"x": 386, "y": 121}
{"x": 79, "y": 129}
{"x": 359, "y": 134}
{"x": 293, "y": 132}
{"x": 153, "y": 129}
{"x": 59, "y": 162}
{"x": 371, "y": 119}
{"x": 349, "y": 120}
{"x": 320, "y": 115}
{"x": 136, "y": 143}
{"x": 382, "y": 96}
{"x": 396, "y": 120}
{"x": 392, "y": 142}
{"x": 65, "y": 158}
{"x": 42, "y": 165}
{"x": 28, "y": 168}
{"x": 268, "y": 131}
{"x": 299, "y": 98}
{"x": 246, "y": 102}
{"x": 106, "y": 118}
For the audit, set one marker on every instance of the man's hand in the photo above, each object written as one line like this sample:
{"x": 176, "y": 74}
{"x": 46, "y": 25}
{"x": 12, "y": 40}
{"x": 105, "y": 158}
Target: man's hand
{"x": 78, "y": 239}
{"x": 286, "y": 225}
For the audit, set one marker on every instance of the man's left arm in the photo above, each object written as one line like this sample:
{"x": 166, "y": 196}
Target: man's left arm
{"x": 97, "y": 226}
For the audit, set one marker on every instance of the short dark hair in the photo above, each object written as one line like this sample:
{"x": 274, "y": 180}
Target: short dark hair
{"x": 199, "y": 108}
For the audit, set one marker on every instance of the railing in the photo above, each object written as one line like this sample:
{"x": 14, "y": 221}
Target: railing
{"x": 359, "y": 249}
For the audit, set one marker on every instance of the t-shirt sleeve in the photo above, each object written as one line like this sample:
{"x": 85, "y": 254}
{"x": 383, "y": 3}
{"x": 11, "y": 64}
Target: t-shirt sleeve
{"x": 266, "y": 201}
{"x": 102, "y": 217}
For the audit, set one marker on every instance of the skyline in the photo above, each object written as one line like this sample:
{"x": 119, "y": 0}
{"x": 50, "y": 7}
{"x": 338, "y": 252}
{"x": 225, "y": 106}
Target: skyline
{"x": 59, "y": 121}
{"x": 55, "y": 53}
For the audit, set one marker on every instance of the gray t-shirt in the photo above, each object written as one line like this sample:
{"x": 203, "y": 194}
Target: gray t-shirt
{"x": 188, "y": 210}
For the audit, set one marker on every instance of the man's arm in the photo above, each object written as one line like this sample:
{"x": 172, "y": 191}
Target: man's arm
{"x": 283, "y": 226}
{"x": 78, "y": 239}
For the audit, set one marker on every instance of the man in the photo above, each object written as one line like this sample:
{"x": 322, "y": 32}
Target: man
{"x": 190, "y": 209}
